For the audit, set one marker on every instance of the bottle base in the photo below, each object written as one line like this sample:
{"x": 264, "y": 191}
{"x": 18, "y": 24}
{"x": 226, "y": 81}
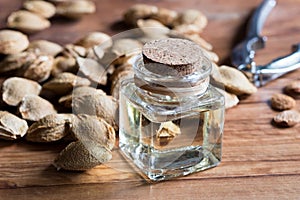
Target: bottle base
{"x": 164, "y": 165}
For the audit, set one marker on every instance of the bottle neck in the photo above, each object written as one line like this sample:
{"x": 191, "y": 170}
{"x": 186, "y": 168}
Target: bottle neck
{"x": 175, "y": 90}
{"x": 193, "y": 84}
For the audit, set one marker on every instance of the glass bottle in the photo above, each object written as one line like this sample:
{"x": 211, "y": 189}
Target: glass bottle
{"x": 171, "y": 125}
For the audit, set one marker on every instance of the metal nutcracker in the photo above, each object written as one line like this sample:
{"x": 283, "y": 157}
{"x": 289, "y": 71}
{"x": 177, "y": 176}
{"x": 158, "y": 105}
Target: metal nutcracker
{"x": 243, "y": 54}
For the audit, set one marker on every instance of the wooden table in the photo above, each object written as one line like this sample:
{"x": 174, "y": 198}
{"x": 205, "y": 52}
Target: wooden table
{"x": 259, "y": 160}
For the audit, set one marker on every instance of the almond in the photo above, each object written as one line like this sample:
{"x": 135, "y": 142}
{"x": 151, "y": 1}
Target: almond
{"x": 80, "y": 156}
{"x": 75, "y": 9}
{"x": 293, "y": 89}
{"x": 12, "y": 42}
{"x": 34, "y": 108}
{"x": 45, "y": 47}
{"x": 11, "y": 126}
{"x": 14, "y": 89}
{"x": 42, "y": 8}
{"x": 235, "y": 81}
{"x": 287, "y": 118}
{"x": 27, "y": 21}
{"x": 282, "y": 102}
{"x": 64, "y": 83}
{"x": 50, "y": 128}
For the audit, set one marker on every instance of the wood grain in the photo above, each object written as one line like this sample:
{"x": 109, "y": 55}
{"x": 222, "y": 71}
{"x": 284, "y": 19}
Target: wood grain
{"x": 266, "y": 187}
{"x": 260, "y": 161}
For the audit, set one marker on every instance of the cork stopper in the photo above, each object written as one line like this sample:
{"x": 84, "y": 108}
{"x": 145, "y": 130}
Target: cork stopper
{"x": 171, "y": 57}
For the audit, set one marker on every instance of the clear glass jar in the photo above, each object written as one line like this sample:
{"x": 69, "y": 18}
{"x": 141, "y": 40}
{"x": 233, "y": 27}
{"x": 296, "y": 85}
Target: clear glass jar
{"x": 171, "y": 126}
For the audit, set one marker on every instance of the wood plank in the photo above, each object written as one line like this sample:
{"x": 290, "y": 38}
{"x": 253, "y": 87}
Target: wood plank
{"x": 253, "y": 159}
{"x": 264, "y": 187}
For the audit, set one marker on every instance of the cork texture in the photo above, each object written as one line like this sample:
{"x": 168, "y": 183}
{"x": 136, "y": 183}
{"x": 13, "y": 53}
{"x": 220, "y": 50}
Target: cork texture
{"x": 171, "y": 56}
